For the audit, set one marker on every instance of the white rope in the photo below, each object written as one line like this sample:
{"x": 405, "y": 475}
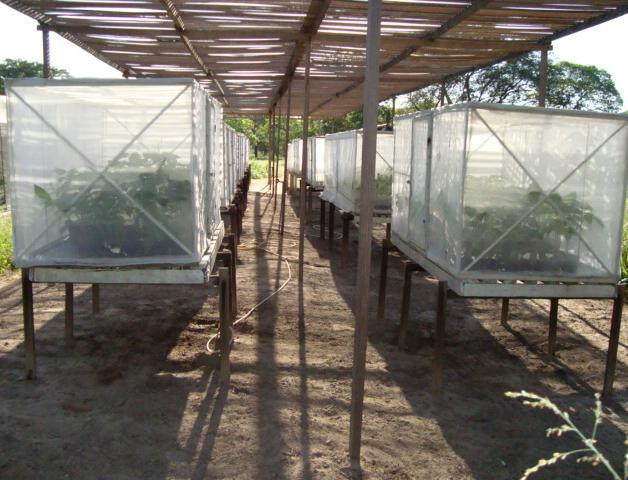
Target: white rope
{"x": 216, "y": 336}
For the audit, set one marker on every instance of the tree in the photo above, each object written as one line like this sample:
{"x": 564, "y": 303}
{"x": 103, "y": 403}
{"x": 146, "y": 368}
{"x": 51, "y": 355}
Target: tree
{"x": 569, "y": 85}
{"x": 18, "y": 68}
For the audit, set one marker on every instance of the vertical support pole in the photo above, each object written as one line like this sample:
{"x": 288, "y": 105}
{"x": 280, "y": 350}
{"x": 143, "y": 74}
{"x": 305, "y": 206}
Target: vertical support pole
{"x": 332, "y": 224}
{"x": 383, "y": 279}
{"x": 45, "y": 36}
{"x": 367, "y": 197}
{"x": 505, "y": 307}
{"x": 405, "y": 304}
{"x": 306, "y": 115}
{"x": 310, "y": 190}
{"x": 613, "y": 343}
{"x": 69, "y": 312}
{"x": 270, "y": 146}
{"x": 284, "y": 187}
{"x": 439, "y": 338}
{"x": 95, "y": 298}
{"x": 323, "y": 206}
{"x": 29, "y": 325}
{"x": 388, "y": 231}
{"x": 274, "y": 156}
{"x": 346, "y": 219}
{"x": 553, "y": 325}
{"x": 543, "y": 77}
{"x": 226, "y": 321}
{"x": 393, "y": 111}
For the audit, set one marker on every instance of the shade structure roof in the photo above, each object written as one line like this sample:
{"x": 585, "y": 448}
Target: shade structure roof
{"x": 248, "y": 52}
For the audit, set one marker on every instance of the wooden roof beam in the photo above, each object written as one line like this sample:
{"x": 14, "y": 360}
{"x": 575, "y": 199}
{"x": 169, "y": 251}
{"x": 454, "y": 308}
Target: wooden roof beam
{"x": 406, "y": 52}
{"x": 314, "y": 18}
{"x": 176, "y": 18}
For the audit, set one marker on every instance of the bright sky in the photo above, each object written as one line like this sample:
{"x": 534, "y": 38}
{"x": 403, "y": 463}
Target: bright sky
{"x": 603, "y": 46}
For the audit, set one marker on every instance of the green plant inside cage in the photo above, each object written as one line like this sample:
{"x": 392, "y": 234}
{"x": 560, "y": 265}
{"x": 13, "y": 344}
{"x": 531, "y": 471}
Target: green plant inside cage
{"x": 102, "y": 222}
{"x": 541, "y": 240}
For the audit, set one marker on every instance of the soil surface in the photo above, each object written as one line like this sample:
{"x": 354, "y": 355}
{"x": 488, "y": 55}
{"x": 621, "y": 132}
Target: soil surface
{"x": 136, "y": 395}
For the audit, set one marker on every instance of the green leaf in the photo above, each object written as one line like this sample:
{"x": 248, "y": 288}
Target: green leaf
{"x": 43, "y": 195}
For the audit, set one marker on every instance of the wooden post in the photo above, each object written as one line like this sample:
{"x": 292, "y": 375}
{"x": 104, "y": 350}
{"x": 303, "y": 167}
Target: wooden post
{"x": 282, "y": 214}
{"x": 69, "y": 312}
{"x": 233, "y": 221}
{"x": 367, "y": 196}
{"x": 233, "y": 248}
{"x": 306, "y": 114}
{"x": 29, "y": 325}
{"x": 45, "y": 36}
{"x": 439, "y": 337}
{"x": 408, "y": 269}
{"x": 504, "y": 316}
{"x": 270, "y": 146}
{"x": 226, "y": 322}
{"x": 553, "y": 324}
{"x": 388, "y": 228}
{"x": 543, "y": 77}
{"x": 383, "y": 278}
{"x": 323, "y": 206}
{"x": 332, "y": 224}
{"x": 613, "y": 343}
{"x": 392, "y": 113}
{"x": 95, "y": 298}
{"x": 346, "y": 219}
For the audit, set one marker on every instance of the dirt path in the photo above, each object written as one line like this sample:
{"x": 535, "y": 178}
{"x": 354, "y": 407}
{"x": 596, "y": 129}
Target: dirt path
{"x": 137, "y": 397}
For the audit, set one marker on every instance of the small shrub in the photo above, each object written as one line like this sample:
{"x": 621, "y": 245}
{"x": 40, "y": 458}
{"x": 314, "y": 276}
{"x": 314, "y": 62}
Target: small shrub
{"x": 259, "y": 169}
{"x": 6, "y": 243}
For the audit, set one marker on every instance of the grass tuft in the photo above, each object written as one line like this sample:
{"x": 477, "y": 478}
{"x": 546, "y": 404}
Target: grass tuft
{"x": 6, "y": 243}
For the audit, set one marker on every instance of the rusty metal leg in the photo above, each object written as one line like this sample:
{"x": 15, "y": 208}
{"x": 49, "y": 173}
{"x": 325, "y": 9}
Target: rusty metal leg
{"x": 505, "y": 307}
{"x": 388, "y": 232}
{"x": 95, "y": 298}
{"x": 322, "y": 219}
{"x": 346, "y": 219}
{"x": 613, "y": 343}
{"x": 383, "y": 277}
{"x": 233, "y": 220}
{"x": 439, "y": 338}
{"x": 226, "y": 322}
{"x": 408, "y": 269}
{"x": 29, "y": 325}
{"x": 69, "y": 312}
{"x": 240, "y": 217}
{"x": 553, "y": 324}
{"x": 332, "y": 210}
{"x": 309, "y": 203}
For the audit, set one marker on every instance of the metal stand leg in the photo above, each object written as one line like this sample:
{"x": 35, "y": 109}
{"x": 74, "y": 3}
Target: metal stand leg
{"x": 383, "y": 277}
{"x": 233, "y": 220}
{"x": 505, "y": 307}
{"x": 613, "y": 343}
{"x": 95, "y": 298}
{"x": 29, "y": 325}
{"x": 332, "y": 210}
{"x": 69, "y": 312}
{"x": 226, "y": 323}
{"x": 346, "y": 218}
{"x": 439, "y": 338}
{"x": 388, "y": 232}
{"x": 553, "y": 324}
{"x": 408, "y": 269}
{"x": 322, "y": 219}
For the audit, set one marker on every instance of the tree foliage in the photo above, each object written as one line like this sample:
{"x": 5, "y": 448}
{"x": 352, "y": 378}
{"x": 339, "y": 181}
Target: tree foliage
{"x": 569, "y": 85}
{"x": 18, "y": 68}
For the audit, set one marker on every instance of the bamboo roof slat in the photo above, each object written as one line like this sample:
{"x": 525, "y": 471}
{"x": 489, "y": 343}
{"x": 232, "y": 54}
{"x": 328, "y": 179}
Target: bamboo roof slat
{"x": 246, "y": 54}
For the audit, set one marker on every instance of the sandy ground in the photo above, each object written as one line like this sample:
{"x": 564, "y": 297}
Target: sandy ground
{"x": 137, "y": 397}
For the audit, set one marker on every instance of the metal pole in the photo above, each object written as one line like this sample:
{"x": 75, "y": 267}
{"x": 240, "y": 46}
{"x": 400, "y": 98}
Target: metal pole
{"x": 543, "y": 77}
{"x": 306, "y": 113}
{"x": 282, "y": 215}
{"x": 369, "y": 143}
{"x": 277, "y": 156}
{"x": 45, "y": 36}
